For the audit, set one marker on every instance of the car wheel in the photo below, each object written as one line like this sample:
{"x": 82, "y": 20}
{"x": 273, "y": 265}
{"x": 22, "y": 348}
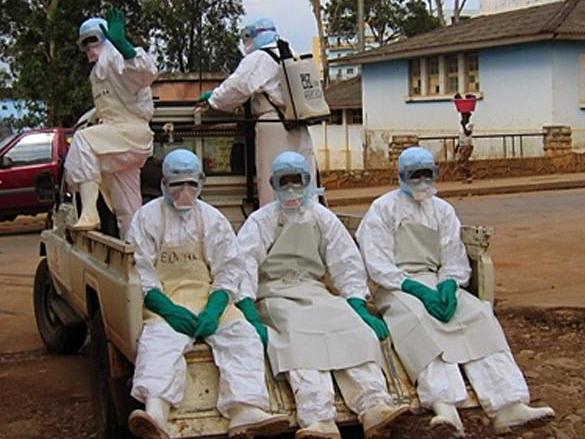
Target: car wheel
{"x": 58, "y": 338}
{"x": 105, "y": 390}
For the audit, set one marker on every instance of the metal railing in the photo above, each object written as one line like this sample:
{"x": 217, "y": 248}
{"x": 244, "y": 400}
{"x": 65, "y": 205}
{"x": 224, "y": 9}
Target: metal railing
{"x": 512, "y": 144}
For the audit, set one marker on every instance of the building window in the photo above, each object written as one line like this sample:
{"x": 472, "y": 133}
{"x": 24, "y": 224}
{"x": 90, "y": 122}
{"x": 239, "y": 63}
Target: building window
{"x": 452, "y": 74}
{"x": 433, "y": 75}
{"x": 350, "y": 71}
{"x": 415, "y": 78}
{"x": 472, "y": 72}
{"x": 444, "y": 75}
{"x": 336, "y": 117}
{"x": 354, "y": 116}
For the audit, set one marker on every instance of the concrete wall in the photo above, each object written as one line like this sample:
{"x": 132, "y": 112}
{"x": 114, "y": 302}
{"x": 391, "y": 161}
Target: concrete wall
{"x": 332, "y": 143}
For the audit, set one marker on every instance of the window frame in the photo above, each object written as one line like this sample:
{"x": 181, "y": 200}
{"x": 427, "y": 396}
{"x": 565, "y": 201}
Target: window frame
{"x": 434, "y": 76}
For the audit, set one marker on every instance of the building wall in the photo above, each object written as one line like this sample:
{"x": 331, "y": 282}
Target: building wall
{"x": 569, "y": 89}
{"x": 516, "y": 85}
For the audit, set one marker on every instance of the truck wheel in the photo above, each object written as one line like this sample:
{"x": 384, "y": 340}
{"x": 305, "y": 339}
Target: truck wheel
{"x": 58, "y": 338}
{"x": 104, "y": 409}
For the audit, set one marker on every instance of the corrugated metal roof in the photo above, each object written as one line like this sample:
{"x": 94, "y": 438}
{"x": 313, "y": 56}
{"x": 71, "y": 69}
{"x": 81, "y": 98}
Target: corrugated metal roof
{"x": 345, "y": 94}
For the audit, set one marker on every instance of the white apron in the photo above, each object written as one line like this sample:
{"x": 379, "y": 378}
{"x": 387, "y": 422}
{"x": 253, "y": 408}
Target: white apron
{"x": 120, "y": 130}
{"x": 418, "y": 337}
{"x": 309, "y": 328}
{"x": 185, "y": 276}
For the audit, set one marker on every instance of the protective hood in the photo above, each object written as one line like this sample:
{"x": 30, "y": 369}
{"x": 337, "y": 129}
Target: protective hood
{"x": 257, "y": 34}
{"x": 183, "y": 179}
{"x": 412, "y": 160}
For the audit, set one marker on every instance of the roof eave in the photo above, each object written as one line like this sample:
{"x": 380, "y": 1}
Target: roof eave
{"x": 371, "y": 59}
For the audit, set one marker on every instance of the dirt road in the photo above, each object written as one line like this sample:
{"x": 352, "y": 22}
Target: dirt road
{"x": 538, "y": 252}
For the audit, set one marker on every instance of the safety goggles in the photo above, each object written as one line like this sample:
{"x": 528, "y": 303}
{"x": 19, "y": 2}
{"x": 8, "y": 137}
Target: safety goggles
{"x": 90, "y": 39}
{"x": 417, "y": 175}
{"x": 285, "y": 181}
{"x": 180, "y": 184}
{"x": 250, "y": 32}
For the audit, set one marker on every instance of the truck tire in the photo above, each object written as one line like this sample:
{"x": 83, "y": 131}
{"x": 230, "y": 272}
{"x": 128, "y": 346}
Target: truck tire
{"x": 104, "y": 409}
{"x": 58, "y": 338}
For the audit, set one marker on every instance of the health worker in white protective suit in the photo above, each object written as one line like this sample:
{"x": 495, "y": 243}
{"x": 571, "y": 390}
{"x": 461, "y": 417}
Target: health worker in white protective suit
{"x": 190, "y": 267}
{"x": 288, "y": 246}
{"x": 108, "y": 156}
{"x": 257, "y": 77}
{"x": 411, "y": 244}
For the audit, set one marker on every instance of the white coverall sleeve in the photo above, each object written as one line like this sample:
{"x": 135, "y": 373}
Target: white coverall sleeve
{"x": 136, "y": 73}
{"x": 375, "y": 236}
{"x": 248, "y": 78}
{"x": 454, "y": 261}
{"x": 223, "y": 254}
{"x": 145, "y": 252}
{"x": 253, "y": 253}
{"x": 342, "y": 256}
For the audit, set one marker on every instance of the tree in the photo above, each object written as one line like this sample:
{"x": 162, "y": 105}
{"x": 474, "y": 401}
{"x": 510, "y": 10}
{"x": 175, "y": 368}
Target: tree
{"x": 194, "y": 35}
{"x": 47, "y": 70}
{"x": 385, "y": 20}
{"x": 439, "y": 9}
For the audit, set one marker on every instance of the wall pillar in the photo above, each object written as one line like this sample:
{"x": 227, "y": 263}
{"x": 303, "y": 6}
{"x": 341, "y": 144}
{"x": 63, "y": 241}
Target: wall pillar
{"x": 557, "y": 140}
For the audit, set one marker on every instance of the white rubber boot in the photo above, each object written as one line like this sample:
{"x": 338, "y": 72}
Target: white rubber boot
{"x": 377, "y": 419}
{"x": 152, "y": 423}
{"x": 247, "y": 421}
{"x": 89, "y": 218}
{"x": 446, "y": 421}
{"x": 319, "y": 430}
{"x": 521, "y": 414}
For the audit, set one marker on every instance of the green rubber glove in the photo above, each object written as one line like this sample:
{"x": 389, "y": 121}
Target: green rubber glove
{"x": 378, "y": 325}
{"x": 428, "y": 296}
{"x": 204, "y": 97}
{"x": 248, "y": 308}
{"x": 116, "y": 33}
{"x": 178, "y": 317}
{"x": 208, "y": 320}
{"x": 448, "y": 295}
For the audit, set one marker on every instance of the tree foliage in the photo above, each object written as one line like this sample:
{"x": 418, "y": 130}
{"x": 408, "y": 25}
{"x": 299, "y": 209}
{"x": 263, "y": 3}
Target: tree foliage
{"x": 47, "y": 70}
{"x": 189, "y": 35}
{"x": 385, "y": 20}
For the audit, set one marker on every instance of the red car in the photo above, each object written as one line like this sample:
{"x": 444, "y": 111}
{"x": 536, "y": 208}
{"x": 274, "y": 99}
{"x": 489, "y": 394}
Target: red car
{"x": 31, "y": 166}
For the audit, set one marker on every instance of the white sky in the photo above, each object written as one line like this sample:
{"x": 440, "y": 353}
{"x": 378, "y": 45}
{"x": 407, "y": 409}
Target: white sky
{"x": 294, "y": 18}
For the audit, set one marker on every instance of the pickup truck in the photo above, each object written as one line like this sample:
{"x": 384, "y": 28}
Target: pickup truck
{"x": 30, "y": 171}
{"x": 86, "y": 283}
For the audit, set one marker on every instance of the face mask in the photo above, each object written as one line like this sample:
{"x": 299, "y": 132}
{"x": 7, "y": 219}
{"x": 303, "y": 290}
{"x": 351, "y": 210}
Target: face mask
{"x": 92, "y": 52}
{"x": 292, "y": 197}
{"x": 184, "y": 196}
{"x": 422, "y": 190}
{"x": 247, "y": 45}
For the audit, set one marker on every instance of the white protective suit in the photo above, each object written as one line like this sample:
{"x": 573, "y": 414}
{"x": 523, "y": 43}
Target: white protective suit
{"x": 160, "y": 233}
{"x": 112, "y": 152}
{"x": 257, "y": 74}
{"x": 432, "y": 351}
{"x": 363, "y": 384}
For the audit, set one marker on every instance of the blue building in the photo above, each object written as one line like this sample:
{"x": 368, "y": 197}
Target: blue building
{"x": 526, "y": 67}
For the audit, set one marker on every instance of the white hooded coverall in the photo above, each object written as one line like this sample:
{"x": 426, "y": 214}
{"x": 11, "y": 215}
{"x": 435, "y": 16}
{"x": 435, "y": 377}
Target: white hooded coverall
{"x": 362, "y": 382}
{"x": 431, "y": 351}
{"x": 257, "y": 74}
{"x": 112, "y": 152}
{"x": 188, "y": 255}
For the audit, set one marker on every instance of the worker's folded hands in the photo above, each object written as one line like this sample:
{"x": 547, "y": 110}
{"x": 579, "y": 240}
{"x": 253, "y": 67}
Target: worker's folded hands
{"x": 378, "y": 325}
{"x": 430, "y": 298}
{"x": 178, "y": 317}
{"x": 448, "y": 294}
{"x": 208, "y": 320}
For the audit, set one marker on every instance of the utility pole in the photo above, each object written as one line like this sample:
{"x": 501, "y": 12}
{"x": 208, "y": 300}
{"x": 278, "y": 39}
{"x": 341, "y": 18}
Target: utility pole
{"x": 360, "y": 27}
